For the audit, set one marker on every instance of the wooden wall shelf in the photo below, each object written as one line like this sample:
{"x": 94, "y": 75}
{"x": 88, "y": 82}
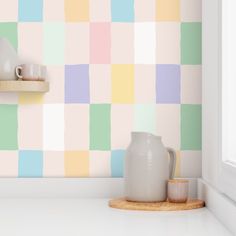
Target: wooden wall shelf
{"x": 24, "y": 86}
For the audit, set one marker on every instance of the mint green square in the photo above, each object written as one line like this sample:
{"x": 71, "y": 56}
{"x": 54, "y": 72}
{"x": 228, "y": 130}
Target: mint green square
{"x": 9, "y": 31}
{"x": 53, "y": 43}
{"x": 8, "y": 127}
{"x": 191, "y": 43}
{"x": 191, "y": 127}
{"x": 145, "y": 118}
{"x": 100, "y": 127}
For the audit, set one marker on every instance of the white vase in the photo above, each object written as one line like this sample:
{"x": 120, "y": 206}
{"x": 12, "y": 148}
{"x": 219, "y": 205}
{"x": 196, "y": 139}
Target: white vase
{"x": 8, "y": 60}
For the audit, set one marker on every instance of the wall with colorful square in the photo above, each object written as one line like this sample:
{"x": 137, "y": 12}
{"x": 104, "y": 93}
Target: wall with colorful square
{"x": 114, "y": 66}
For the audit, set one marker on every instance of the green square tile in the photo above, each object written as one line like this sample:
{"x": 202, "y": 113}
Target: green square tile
{"x": 9, "y": 31}
{"x": 191, "y": 127}
{"x": 100, "y": 126}
{"x": 8, "y": 127}
{"x": 191, "y": 43}
{"x": 53, "y": 43}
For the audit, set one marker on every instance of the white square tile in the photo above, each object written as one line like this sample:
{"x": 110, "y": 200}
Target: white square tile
{"x": 54, "y": 10}
{"x": 76, "y": 43}
{"x": 145, "y": 84}
{"x": 30, "y": 42}
{"x": 145, "y": 43}
{"x": 99, "y": 163}
{"x": 8, "y": 163}
{"x": 191, "y": 84}
{"x": 100, "y": 11}
{"x": 145, "y": 10}
{"x": 30, "y": 127}
{"x": 191, "y": 10}
{"x": 168, "y": 125}
{"x": 9, "y": 11}
{"x": 76, "y": 127}
{"x": 191, "y": 164}
{"x": 121, "y": 125}
{"x": 100, "y": 83}
{"x": 53, "y": 164}
{"x": 53, "y": 127}
{"x": 168, "y": 43}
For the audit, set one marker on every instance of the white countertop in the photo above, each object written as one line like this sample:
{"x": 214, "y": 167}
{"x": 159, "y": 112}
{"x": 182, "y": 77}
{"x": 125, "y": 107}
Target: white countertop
{"x": 86, "y": 217}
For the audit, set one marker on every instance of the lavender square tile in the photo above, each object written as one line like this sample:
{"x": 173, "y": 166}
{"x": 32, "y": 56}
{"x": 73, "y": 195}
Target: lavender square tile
{"x": 77, "y": 84}
{"x": 168, "y": 84}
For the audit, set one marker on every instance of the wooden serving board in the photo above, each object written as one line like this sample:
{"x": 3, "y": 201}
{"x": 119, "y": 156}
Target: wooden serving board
{"x": 121, "y": 203}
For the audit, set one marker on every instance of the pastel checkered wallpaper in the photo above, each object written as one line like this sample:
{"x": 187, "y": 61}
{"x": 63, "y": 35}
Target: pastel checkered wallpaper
{"x": 114, "y": 66}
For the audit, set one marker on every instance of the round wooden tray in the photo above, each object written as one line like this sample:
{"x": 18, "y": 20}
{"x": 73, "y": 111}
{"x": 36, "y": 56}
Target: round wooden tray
{"x": 121, "y": 203}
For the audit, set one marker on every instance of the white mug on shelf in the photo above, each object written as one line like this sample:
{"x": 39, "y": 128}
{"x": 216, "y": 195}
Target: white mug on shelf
{"x": 31, "y": 72}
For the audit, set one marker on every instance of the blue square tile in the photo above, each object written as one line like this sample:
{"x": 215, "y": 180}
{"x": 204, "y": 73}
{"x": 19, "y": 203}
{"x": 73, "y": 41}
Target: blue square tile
{"x": 30, "y": 10}
{"x": 117, "y": 163}
{"x": 122, "y": 10}
{"x": 30, "y": 163}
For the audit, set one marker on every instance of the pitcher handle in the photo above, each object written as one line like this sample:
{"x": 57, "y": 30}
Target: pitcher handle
{"x": 172, "y": 164}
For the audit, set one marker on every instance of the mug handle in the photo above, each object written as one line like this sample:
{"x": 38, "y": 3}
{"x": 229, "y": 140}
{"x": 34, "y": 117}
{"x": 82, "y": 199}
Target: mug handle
{"x": 172, "y": 164}
{"x": 18, "y": 70}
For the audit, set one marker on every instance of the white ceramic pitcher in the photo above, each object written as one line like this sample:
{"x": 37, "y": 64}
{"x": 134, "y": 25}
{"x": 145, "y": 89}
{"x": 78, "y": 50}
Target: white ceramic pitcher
{"x": 148, "y": 168}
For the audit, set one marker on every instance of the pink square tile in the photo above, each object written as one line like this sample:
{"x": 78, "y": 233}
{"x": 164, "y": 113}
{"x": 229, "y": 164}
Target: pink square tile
{"x": 55, "y": 75}
{"x": 145, "y": 10}
{"x": 77, "y": 43}
{"x": 122, "y": 43}
{"x": 191, "y": 10}
{"x": 76, "y": 127}
{"x": 99, "y": 163}
{"x": 8, "y": 163}
{"x": 121, "y": 125}
{"x": 52, "y": 14}
{"x": 8, "y": 98}
{"x": 30, "y": 35}
{"x": 100, "y": 43}
{"x": 30, "y": 127}
{"x": 100, "y": 83}
{"x": 145, "y": 82}
{"x": 9, "y": 11}
{"x": 53, "y": 164}
{"x": 100, "y": 11}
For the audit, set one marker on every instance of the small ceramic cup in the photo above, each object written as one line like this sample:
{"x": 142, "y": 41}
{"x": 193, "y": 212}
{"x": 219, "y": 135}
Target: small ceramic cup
{"x": 177, "y": 190}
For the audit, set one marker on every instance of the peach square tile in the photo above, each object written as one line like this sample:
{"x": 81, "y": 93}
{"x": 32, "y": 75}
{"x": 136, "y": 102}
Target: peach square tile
{"x": 76, "y": 127}
{"x": 177, "y": 166}
{"x": 122, "y": 117}
{"x": 55, "y": 76}
{"x": 53, "y": 127}
{"x": 100, "y": 43}
{"x": 145, "y": 10}
{"x": 100, "y": 83}
{"x": 168, "y": 43}
{"x": 52, "y": 14}
{"x": 77, "y": 43}
{"x": 145, "y": 83}
{"x": 168, "y": 10}
{"x": 191, "y": 10}
{"x": 9, "y": 11}
{"x": 122, "y": 41}
{"x": 53, "y": 164}
{"x": 191, "y": 84}
{"x": 8, "y": 98}
{"x": 76, "y": 10}
{"x": 99, "y": 164}
{"x": 100, "y": 11}
{"x": 8, "y": 163}
{"x": 191, "y": 164}
{"x": 30, "y": 127}
{"x": 31, "y": 98}
{"x": 76, "y": 163}
{"x": 168, "y": 124}
{"x": 30, "y": 35}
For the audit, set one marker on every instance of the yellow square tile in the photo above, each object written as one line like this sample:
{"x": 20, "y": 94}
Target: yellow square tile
{"x": 177, "y": 167}
{"x": 123, "y": 83}
{"x": 76, "y": 163}
{"x": 30, "y": 98}
{"x": 76, "y": 10}
{"x": 168, "y": 10}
